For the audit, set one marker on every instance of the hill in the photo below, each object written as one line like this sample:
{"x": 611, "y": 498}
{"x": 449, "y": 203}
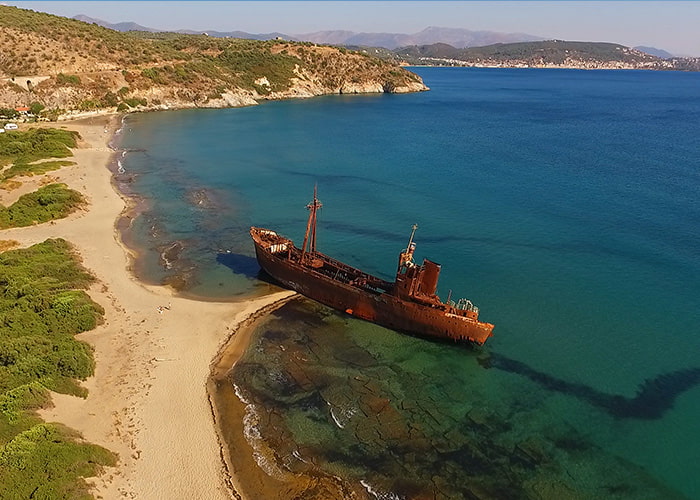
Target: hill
{"x": 456, "y": 37}
{"x": 543, "y": 54}
{"x": 72, "y": 65}
{"x": 655, "y": 52}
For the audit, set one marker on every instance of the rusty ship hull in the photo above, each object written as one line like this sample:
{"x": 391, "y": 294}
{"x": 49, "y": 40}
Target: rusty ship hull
{"x": 394, "y": 305}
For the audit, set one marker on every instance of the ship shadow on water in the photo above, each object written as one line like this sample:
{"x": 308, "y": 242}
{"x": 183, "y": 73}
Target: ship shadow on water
{"x": 242, "y": 264}
{"x": 654, "y": 397}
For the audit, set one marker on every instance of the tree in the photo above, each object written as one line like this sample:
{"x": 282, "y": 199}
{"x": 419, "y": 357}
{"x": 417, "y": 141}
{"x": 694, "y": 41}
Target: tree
{"x": 8, "y": 113}
{"x": 36, "y": 108}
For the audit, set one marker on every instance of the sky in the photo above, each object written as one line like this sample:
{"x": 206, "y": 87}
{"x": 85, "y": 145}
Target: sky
{"x": 669, "y": 25}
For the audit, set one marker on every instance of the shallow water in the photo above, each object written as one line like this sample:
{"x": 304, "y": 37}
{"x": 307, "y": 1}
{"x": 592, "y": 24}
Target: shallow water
{"x": 406, "y": 418}
{"x": 563, "y": 202}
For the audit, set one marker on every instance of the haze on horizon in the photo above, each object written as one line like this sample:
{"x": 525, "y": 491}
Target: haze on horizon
{"x": 667, "y": 25}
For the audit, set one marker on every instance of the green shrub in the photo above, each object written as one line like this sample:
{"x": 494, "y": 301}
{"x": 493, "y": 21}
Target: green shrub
{"x": 88, "y": 105}
{"x": 135, "y": 101}
{"x": 25, "y": 397}
{"x": 50, "y": 202}
{"x": 42, "y": 306}
{"x": 109, "y": 100}
{"x": 36, "y": 144}
{"x": 36, "y": 108}
{"x": 153, "y": 74}
{"x": 48, "y": 461}
{"x": 63, "y": 79}
{"x": 28, "y": 169}
{"x": 8, "y": 113}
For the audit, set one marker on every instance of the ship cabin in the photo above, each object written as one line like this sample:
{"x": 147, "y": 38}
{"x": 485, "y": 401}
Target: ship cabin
{"x": 419, "y": 284}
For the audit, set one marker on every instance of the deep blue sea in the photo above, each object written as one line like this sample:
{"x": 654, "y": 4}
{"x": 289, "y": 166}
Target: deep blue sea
{"x": 564, "y": 203}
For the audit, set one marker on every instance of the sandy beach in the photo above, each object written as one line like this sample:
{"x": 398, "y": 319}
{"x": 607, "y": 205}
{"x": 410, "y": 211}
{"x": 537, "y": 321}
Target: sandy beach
{"x": 148, "y": 398}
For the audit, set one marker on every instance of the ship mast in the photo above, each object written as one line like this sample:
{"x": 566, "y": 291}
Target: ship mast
{"x": 311, "y": 226}
{"x": 410, "y": 240}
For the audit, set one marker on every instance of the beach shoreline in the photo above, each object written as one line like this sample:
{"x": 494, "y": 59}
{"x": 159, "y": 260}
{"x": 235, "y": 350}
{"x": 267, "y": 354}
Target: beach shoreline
{"x": 148, "y": 399}
{"x": 229, "y": 412}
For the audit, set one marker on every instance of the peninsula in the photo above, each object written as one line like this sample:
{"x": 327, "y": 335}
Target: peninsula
{"x": 69, "y": 67}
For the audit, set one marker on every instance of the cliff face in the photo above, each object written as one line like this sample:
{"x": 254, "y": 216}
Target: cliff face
{"x": 71, "y": 66}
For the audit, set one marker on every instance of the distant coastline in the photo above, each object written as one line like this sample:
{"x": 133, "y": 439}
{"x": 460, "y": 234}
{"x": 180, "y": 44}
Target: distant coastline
{"x": 544, "y": 54}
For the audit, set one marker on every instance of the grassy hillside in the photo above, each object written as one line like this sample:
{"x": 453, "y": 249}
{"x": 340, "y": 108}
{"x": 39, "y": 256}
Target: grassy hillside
{"x": 69, "y": 64}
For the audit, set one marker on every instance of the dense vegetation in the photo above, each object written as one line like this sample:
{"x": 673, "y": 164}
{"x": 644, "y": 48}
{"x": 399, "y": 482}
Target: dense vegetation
{"x": 36, "y": 144}
{"x": 50, "y": 202}
{"x": 23, "y": 148}
{"x": 42, "y": 306}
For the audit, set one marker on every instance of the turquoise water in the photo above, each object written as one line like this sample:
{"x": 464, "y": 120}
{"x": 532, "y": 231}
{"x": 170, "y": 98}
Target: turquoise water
{"x": 563, "y": 203}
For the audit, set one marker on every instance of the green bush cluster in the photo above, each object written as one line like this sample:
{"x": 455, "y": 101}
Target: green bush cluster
{"x": 36, "y": 108}
{"x": 36, "y": 144}
{"x": 50, "y": 202}
{"x": 88, "y": 105}
{"x": 8, "y": 113}
{"x": 48, "y": 461}
{"x": 28, "y": 169}
{"x": 42, "y": 306}
{"x": 25, "y": 397}
{"x": 63, "y": 79}
{"x": 135, "y": 101}
{"x": 152, "y": 74}
{"x": 110, "y": 99}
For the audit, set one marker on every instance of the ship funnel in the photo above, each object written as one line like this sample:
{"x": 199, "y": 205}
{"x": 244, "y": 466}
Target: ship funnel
{"x": 429, "y": 277}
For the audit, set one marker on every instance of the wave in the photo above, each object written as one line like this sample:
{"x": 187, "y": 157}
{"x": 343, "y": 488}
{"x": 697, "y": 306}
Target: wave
{"x": 378, "y": 494}
{"x": 341, "y": 416}
{"x": 262, "y": 454}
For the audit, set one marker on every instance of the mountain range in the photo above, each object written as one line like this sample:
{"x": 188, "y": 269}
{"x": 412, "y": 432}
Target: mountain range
{"x": 456, "y": 37}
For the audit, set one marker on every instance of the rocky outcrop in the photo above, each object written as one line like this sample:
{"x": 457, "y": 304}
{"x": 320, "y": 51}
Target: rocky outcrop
{"x": 74, "y": 99}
